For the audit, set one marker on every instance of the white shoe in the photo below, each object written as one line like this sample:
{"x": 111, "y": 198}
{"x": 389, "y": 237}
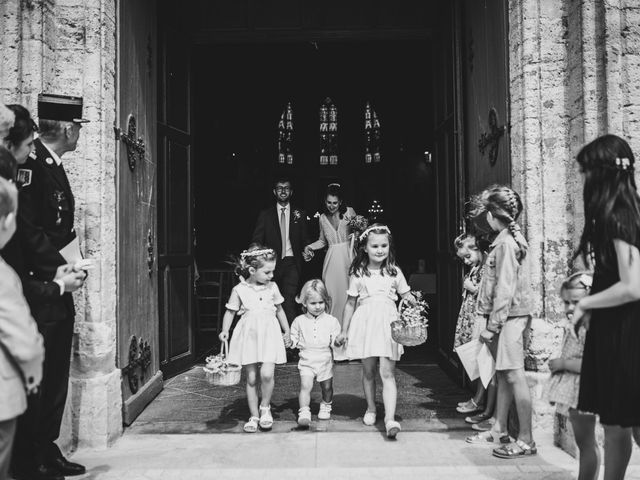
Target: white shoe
{"x": 325, "y": 411}
{"x": 304, "y": 417}
{"x": 393, "y": 428}
{"x": 369, "y": 418}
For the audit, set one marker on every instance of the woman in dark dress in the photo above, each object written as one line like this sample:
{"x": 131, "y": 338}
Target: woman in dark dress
{"x": 610, "y": 378}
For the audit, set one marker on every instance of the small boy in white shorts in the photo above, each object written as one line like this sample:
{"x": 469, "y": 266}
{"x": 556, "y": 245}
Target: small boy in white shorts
{"x": 314, "y": 333}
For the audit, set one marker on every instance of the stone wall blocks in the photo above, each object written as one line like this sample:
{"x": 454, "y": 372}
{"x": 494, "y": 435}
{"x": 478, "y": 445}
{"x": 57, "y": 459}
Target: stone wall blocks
{"x": 94, "y": 350}
{"x": 94, "y": 413}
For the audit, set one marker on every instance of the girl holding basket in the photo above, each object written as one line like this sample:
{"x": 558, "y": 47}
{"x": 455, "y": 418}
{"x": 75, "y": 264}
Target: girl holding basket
{"x": 375, "y": 283}
{"x": 257, "y": 343}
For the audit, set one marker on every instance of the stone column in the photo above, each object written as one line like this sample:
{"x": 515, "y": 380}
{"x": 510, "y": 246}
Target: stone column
{"x": 69, "y": 47}
{"x": 574, "y": 71}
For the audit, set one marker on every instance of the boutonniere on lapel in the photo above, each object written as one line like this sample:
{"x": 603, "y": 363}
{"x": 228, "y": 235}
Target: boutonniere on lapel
{"x": 296, "y": 216}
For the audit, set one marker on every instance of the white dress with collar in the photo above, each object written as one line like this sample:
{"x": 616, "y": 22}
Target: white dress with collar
{"x": 370, "y": 328}
{"x": 257, "y": 337}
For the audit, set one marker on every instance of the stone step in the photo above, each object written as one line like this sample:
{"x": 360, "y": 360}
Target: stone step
{"x": 500, "y": 472}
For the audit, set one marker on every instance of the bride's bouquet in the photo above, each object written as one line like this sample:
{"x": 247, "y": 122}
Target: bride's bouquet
{"x": 358, "y": 224}
{"x": 411, "y": 327}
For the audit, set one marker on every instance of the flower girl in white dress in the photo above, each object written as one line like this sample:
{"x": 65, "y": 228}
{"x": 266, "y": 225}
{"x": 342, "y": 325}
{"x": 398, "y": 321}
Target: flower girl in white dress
{"x": 257, "y": 338}
{"x": 374, "y": 286}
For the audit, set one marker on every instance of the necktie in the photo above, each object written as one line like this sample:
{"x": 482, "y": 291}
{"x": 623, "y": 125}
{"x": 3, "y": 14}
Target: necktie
{"x": 283, "y": 231}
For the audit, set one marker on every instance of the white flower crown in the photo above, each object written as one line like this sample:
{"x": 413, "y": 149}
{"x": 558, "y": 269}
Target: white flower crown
{"x": 623, "y": 164}
{"x": 257, "y": 253}
{"x": 364, "y": 234}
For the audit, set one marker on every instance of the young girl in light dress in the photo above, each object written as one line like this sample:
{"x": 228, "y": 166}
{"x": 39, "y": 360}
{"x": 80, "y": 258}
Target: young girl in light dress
{"x": 564, "y": 385}
{"x": 374, "y": 285}
{"x": 314, "y": 333}
{"x": 257, "y": 342}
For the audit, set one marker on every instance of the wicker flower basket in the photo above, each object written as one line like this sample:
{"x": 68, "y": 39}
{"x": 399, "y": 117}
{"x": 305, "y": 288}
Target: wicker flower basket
{"x": 411, "y": 327}
{"x": 220, "y": 372}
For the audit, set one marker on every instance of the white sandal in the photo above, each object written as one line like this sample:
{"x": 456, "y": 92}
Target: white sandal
{"x": 266, "y": 419}
{"x": 252, "y": 425}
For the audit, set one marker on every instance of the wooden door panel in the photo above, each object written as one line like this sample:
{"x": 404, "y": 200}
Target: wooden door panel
{"x": 178, "y": 192}
{"x": 137, "y": 309}
{"x": 178, "y": 285}
{"x": 175, "y": 202}
{"x": 486, "y": 87}
{"x": 177, "y": 85}
{"x": 448, "y": 169}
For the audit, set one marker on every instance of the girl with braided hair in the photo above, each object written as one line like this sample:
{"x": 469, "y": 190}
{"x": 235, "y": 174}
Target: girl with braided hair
{"x": 610, "y": 375}
{"x": 257, "y": 342}
{"x": 503, "y": 298}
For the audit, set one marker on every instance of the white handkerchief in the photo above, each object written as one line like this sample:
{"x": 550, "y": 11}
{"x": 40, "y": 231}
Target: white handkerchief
{"x": 486, "y": 365}
{"x": 468, "y": 354}
{"x": 71, "y": 251}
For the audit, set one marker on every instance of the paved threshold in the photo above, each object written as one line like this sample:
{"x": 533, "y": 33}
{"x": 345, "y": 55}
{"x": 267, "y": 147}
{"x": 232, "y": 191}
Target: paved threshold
{"x": 315, "y": 455}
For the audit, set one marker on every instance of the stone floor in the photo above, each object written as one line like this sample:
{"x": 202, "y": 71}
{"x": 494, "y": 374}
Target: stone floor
{"x": 189, "y": 404}
{"x": 191, "y": 431}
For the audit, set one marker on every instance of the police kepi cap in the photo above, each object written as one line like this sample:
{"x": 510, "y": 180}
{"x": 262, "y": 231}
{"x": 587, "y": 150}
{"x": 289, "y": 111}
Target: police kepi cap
{"x": 60, "y": 107}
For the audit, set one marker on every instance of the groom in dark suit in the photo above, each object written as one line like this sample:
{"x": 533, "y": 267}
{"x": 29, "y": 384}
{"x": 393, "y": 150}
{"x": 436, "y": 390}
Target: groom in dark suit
{"x": 283, "y": 227}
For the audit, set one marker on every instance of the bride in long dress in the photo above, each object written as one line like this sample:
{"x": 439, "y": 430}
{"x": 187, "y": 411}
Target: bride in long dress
{"x": 334, "y": 234}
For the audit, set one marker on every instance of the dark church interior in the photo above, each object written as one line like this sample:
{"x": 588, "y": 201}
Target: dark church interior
{"x": 242, "y": 91}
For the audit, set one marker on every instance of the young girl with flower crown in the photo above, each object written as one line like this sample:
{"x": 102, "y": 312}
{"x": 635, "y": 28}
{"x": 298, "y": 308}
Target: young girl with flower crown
{"x": 374, "y": 285}
{"x": 503, "y": 298}
{"x": 610, "y": 375}
{"x": 257, "y": 342}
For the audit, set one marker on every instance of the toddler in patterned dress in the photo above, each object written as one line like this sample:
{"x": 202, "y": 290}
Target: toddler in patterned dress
{"x": 314, "y": 333}
{"x": 564, "y": 385}
{"x": 470, "y": 324}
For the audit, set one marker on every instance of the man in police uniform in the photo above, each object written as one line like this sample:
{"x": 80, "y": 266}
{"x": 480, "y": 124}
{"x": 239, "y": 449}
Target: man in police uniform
{"x": 45, "y": 227}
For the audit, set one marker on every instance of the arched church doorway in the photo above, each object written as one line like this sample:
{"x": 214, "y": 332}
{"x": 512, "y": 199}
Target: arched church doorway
{"x": 431, "y": 71}
{"x": 242, "y": 90}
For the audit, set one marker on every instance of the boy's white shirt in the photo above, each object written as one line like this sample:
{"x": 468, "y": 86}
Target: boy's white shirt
{"x": 327, "y": 328}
